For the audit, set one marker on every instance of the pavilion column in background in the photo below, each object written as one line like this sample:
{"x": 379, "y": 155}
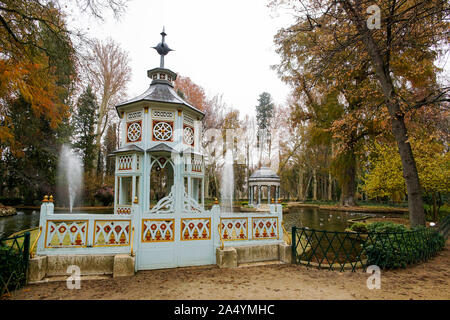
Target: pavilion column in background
{"x": 259, "y": 195}
{"x": 268, "y": 193}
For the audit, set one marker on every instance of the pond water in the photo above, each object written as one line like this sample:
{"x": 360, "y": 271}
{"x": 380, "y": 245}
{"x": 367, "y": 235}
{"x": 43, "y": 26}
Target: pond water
{"x": 314, "y": 218}
{"x": 24, "y": 219}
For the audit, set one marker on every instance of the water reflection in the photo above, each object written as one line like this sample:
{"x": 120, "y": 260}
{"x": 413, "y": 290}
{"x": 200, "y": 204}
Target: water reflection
{"x": 314, "y": 218}
{"x": 24, "y": 219}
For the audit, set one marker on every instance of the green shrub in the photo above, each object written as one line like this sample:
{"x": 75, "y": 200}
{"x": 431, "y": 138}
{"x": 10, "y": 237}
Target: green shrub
{"x": 386, "y": 227}
{"x": 359, "y": 227}
{"x": 393, "y": 246}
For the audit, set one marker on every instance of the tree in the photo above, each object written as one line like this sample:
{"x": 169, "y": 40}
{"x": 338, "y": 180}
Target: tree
{"x": 264, "y": 114}
{"x": 84, "y": 122}
{"x": 384, "y": 177}
{"x": 111, "y": 144}
{"x": 191, "y": 92}
{"x": 109, "y": 73}
{"x": 409, "y": 36}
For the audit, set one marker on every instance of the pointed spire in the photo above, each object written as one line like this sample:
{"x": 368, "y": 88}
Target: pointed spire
{"x": 162, "y": 48}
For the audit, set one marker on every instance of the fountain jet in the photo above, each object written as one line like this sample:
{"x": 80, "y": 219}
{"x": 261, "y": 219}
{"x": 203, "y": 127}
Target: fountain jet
{"x": 70, "y": 171}
{"x": 227, "y": 185}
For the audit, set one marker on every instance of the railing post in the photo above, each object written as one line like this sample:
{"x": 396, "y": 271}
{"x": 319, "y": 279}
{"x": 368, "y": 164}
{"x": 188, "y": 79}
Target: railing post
{"x": 26, "y": 253}
{"x": 294, "y": 245}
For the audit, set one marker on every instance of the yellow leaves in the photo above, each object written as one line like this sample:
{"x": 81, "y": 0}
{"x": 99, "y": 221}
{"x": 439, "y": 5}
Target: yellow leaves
{"x": 385, "y": 178}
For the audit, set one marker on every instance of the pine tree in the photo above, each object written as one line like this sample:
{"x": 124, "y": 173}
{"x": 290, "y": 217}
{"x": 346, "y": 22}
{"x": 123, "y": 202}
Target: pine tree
{"x": 84, "y": 121}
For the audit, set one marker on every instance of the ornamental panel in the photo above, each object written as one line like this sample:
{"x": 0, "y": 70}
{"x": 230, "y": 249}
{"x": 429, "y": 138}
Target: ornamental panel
{"x": 136, "y": 115}
{"x": 196, "y": 163}
{"x": 158, "y": 230}
{"x": 265, "y": 228}
{"x": 163, "y": 114}
{"x": 188, "y": 120}
{"x": 188, "y": 135}
{"x": 162, "y": 131}
{"x": 125, "y": 162}
{"x": 134, "y": 131}
{"x": 195, "y": 229}
{"x": 234, "y": 229}
{"x": 112, "y": 233}
{"x": 66, "y": 233}
{"x": 123, "y": 210}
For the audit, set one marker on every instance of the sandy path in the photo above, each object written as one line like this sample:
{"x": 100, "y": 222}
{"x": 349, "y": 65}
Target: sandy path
{"x": 428, "y": 280}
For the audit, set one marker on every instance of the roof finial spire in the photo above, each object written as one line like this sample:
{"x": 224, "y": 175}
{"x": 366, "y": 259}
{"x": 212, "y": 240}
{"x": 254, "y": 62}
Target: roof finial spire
{"x": 162, "y": 48}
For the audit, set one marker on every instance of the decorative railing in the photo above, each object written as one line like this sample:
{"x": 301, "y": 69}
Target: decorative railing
{"x": 83, "y": 233}
{"x": 242, "y": 228}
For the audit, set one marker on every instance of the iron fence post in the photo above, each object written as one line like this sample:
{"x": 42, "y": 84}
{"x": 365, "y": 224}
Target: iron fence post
{"x": 26, "y": 254}
{"x": 294, "y": 246}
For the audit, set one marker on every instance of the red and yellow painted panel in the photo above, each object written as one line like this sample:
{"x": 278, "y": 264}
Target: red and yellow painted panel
{"x": 66, "y": 233}
{"x": 112, "y": 233}
{"x": 158, "y": 230}
{"x": 234, "y": 229}
{"x": 195, "y": 229}
{"x": 265, "y": 228}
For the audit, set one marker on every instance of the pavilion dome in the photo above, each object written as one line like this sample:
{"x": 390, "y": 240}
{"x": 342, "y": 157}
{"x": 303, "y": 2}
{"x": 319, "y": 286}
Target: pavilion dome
{"x": 264, "y": 174}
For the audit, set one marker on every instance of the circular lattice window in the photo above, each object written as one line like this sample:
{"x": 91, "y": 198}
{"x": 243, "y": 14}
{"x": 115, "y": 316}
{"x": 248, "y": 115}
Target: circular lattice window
{"x": 188, "y": 135}
{"x": 134, "y": 131}
{"x": 162, "y": 131}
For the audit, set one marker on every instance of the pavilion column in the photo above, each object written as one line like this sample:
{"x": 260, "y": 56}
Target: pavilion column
{"x": 268, "y": 194}
{"x": 250, "y": 197}
{"x": 259, "y": 195}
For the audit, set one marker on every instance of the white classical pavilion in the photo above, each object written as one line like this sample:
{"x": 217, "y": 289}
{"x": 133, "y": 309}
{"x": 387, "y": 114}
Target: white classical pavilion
{"x": 262, "y": 178}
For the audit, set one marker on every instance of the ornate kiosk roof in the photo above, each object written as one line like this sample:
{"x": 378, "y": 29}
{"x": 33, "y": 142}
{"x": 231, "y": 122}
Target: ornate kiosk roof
{"x": 264, "y": 175}
{"x": 161, "y": 88}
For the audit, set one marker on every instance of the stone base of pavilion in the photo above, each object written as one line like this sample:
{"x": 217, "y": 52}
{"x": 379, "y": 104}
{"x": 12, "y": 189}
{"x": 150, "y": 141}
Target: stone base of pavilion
{"x": 233, "y": 257}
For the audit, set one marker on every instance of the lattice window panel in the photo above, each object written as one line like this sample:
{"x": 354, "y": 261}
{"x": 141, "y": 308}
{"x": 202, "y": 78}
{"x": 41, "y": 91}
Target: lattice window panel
{"x": 196, "y": 229}
{"x": 265, "y": 228}
{"x": 196, "y": 163}
{"x": 135, "y": 115}
{"x": 158, "y": 230}
{"x": 66, "y": 233}
{"x": 125, "y": 162}
{"x": 112, "y": 233}
{"x": 163, "y": 114}
{"x": 188, "y": 135}
{"x": 162, "y": 131}
{"x": 234, "y": 229}
{"x": 134, "y": 131}
{"x": 188, "y": 120}
{"x": 138, "y": 162}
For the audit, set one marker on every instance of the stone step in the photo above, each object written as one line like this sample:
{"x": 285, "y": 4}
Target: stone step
{"x": 259, "y": 263}
{"x": 64, "y": 278}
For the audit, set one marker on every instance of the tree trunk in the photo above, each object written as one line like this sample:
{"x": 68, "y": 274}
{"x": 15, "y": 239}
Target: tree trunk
{"x": 348, "y": 179}
{"x": 300, "y": 185}
{"x": 382, "y": 71}
{"x": 329, "y": 187}
{"x": 314, "y": 184}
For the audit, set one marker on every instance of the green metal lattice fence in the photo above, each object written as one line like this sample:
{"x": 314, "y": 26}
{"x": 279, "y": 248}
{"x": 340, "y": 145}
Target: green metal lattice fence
{"x": 14, "y": 255}
{"x": 351, "y": 250}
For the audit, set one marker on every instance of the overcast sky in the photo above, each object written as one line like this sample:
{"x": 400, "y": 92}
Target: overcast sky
{"x": 224, "y": 46}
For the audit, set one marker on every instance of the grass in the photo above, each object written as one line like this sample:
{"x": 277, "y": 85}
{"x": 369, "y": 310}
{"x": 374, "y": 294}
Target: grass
{"x": 33, "y": 235}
